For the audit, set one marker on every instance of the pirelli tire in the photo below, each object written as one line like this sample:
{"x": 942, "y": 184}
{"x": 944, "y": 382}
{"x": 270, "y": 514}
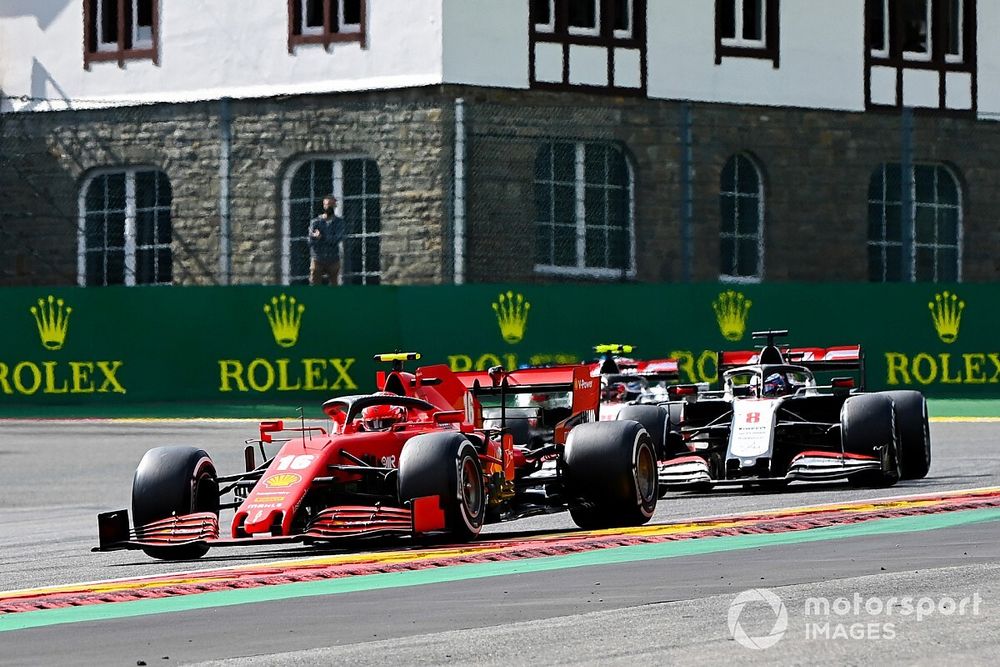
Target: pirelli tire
{"x": 868, "y": 427}
{"x": 173, "y": 481}
{"x": 446, "y": 465}
{"x": 610, "y": 469}
{"x": 914, "y": 432}
{"x": 673, "y": 440}
{"x": 653, "y": 418}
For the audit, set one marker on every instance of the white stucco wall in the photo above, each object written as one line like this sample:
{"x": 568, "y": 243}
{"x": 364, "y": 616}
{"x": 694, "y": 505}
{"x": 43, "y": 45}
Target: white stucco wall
{"x": 486, "y": 42}
{"x": 238, "y": 48}
{"x": 821, "y": 56}
{"x": 988, "y": 54}
{"x": 215, "y": 48}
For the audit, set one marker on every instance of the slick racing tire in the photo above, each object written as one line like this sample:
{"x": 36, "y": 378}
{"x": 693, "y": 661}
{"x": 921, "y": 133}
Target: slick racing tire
{"x": 445, "y": 465}
{"x": 914, "y": 432}
{"x": 174, "y": 481}
{"x": 673, "y": 441}
{"x": 868, "y": 426}
{"x": 653, "y": 418}
{"x": 611, "y": 468}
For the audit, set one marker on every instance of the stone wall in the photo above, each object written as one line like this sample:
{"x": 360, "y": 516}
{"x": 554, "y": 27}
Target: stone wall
{"x": 816, "y": 166}
{"x": 45, "y": 158}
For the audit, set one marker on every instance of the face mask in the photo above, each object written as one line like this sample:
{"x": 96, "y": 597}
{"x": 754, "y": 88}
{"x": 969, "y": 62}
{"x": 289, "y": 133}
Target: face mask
{"x": 328, "y": 210}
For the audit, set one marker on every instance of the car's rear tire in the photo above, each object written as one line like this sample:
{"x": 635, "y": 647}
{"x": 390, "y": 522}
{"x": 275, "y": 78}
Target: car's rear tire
{"x": 673, "y": 441}
{"x": 868, "y": 426}
{"x": 611, "y": 468}
{"x": 173, "y": 481}
{"x": 653, "y": 418}
{"x": 446, "y": 465}
{"x": 914, "y": 432}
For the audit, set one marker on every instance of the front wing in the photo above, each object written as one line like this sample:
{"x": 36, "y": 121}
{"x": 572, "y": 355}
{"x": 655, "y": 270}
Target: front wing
{"x": 422, "y": 515}
{"x": 808, "y": 466}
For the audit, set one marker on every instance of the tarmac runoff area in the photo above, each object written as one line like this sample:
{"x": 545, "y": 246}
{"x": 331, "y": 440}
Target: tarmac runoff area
{"x": 668, "y": 599}
{"x": 617, "y": 607}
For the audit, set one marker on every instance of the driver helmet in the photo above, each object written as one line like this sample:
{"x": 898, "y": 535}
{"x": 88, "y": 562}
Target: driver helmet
{"x": 612, "y": 391}
{"x": 633, "y": 389}
{"x": 775, "y": 385}
{"x": 382, "y": 417}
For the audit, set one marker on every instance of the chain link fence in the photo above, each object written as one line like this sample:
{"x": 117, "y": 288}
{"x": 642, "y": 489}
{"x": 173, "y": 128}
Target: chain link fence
{"x": 470, "y": 185}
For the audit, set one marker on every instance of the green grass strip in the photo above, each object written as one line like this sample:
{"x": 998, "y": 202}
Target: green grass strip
{"x": 434, "y": 575}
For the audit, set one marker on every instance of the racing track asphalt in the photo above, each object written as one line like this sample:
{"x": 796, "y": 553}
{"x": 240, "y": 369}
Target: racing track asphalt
{"x": 58, "y": 475}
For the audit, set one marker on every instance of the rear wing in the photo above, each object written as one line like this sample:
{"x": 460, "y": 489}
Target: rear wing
{"x": 816, "y": 359}
{"x": 652, "y": 369}
{"x": 844, "y": 357}
{"x": 546, "y": 376}
{"x": 584, "y": 389}
{"x": 449, "y": 390}
{"x": 661, "y": 369}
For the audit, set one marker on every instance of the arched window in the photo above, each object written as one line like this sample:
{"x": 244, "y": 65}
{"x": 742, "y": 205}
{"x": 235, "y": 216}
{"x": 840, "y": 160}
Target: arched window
{"x": 585, "y": 210}
{"x": 356, "y": 184}
{"x": 125, "y": 233}
{"x": 741, "y": 232}
{"x": 925, "y": 244}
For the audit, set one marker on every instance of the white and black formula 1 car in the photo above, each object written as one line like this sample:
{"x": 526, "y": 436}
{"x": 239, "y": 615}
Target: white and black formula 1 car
{"x": 771, "y": 422}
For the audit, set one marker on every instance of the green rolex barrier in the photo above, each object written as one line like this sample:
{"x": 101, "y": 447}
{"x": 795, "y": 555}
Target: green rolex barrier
{"x": 267, "y": 344}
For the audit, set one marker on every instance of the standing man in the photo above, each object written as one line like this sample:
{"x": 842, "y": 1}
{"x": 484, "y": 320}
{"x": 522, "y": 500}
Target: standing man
{"x": 325, "y": 233}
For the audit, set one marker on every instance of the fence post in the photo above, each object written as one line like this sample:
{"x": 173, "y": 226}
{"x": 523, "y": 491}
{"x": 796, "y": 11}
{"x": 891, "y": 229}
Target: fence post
{"x": 459, "y": 203}
{"x": 225, "y": 227}
{"x": 687, "y": 195}
{"x": 906, "y": 194}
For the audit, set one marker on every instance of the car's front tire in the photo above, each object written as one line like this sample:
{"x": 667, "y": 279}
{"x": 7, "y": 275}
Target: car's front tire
{"x": 174, "y": 481}
{"x": 446, "y": 465}
{"x": 868, "y": 426}
{"x": 914, "y": 432}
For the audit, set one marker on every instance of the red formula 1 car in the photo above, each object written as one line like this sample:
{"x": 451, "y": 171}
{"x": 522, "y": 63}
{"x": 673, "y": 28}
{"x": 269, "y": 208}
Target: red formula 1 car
{"x": 412, "y": 459}
{"x": 771, "y": 422}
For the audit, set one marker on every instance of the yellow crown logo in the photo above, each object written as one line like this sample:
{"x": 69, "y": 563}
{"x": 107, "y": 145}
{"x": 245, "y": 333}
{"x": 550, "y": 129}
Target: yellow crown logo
{"x": 512, "y": 316}
{"x": 731, "y": 309}
{"x": 52, "y": 318}
{"x": 284, "y": 315}
{"x": 946, "y": 312}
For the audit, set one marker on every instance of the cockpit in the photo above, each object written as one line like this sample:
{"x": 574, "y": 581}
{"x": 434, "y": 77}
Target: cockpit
{"x": 768, "y": 381}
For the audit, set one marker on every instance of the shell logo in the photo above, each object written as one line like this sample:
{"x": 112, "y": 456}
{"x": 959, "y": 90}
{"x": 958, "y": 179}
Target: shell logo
{"x": 282, "y": 480}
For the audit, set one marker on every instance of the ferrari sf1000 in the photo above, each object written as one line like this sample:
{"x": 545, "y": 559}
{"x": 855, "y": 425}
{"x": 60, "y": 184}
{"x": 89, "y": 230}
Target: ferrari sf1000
{"x": 411, "y": 459}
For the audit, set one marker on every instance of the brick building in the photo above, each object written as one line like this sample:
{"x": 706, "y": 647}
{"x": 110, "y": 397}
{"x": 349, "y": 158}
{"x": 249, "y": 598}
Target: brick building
{"x": 149, "y": 141}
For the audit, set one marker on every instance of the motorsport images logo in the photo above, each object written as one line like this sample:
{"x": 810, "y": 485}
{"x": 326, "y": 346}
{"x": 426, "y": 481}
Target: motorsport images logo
{"x": 757, "y": 597}
{"x": 284, "y": 315}
{"x": 51, "y": 316}
{"x": 731, "y": 309}
{"x": 841, "y": 618}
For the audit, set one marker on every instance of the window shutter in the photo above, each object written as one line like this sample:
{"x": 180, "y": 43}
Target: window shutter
{"x": 90, "y": 25}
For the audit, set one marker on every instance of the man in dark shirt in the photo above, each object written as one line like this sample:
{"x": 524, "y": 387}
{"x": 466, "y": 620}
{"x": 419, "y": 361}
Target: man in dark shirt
{"x": 325, "y": 233}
